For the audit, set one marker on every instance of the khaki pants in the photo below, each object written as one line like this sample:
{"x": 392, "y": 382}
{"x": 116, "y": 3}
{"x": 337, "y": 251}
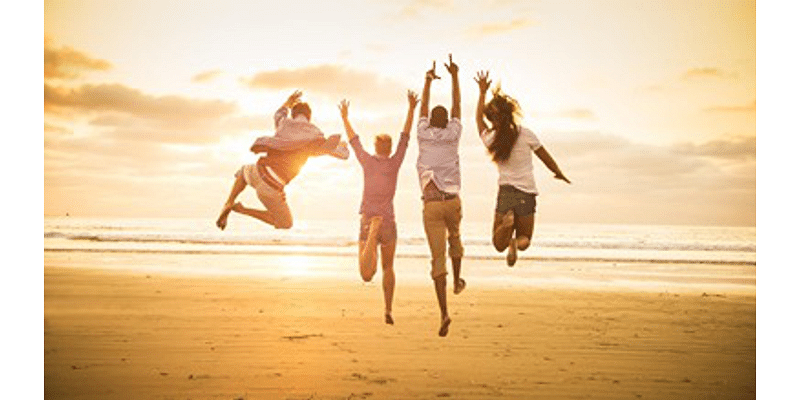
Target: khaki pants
{"x": 442, "y": 220}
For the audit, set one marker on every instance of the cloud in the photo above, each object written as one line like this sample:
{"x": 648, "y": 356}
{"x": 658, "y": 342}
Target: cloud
{"x": 502, "y": 27}
{"x": 576, "y": 113}
{"x": 734, "y": 148}
{"x": 58, "y": 130}
{"x": 68, "y": 63}
{"x": 708, "y": 73}
{"x": 120, "y": 98}
{"x": 416, "y": 7}
{"x": 206, "y": 76}
{"x": 748, "y": 108}
{"x": 618, "y": 180}
{"x": 332, "y": 80}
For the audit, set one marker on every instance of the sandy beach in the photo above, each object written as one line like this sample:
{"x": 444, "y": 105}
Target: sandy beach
{"x": 122, "y": 335}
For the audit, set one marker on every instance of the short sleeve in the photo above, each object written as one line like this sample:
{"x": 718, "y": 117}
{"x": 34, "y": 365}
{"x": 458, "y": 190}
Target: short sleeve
{"x": 531, "y": 138}
{"x": 455, "y": 125}
{"x": 423, "y": 124}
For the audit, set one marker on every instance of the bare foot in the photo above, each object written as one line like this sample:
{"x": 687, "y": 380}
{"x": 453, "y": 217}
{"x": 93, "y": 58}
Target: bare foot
{"x": 389, "y": 319}
{"x": 511, "y": 258}
{"x": 459, "y": 286}
{"x": 222, "y": 221}
{"x": 445, "y": 327}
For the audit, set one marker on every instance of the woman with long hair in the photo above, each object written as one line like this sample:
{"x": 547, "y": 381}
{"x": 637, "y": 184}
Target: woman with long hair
{"x": 510, "y": 146}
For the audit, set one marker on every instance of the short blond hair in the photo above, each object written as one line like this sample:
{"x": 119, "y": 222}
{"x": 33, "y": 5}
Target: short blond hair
{"x": 383, "y": 144}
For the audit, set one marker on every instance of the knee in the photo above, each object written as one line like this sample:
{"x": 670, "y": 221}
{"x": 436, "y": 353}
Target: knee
{"x": 367, "y": 275}
{"x": 499, "y": 244}
{"x": 283, "y": 224}
{"x": 523, "y": 242}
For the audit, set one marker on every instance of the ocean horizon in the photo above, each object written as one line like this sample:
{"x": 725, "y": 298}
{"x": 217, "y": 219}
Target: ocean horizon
{"x": 593, "y": 255}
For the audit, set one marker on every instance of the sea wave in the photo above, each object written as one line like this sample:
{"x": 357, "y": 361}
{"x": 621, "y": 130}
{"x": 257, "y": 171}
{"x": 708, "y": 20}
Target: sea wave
{"x": 338, "y": 241}
{"x": 411, "y": 255}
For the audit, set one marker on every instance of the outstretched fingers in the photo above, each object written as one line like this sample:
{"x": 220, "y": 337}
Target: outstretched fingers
{"x": 413, "y": 99}
{"x": 483, "y": 80}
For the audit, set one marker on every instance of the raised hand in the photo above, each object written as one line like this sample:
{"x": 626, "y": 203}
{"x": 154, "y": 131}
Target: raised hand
{"x": 293, "y": 99}
{"x": 483, "y": 81}
{"x": 413, "y": 99}
{"x": 343, "y": 108}
{"x": 452, "y": 68}
{"x": 431, "y": 74}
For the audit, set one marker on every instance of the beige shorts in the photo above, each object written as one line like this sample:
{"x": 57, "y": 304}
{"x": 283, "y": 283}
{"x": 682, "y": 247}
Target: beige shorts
{"x": 273, "y": 199}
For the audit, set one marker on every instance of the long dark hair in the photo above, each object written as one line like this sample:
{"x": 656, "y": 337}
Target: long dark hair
{"x": 501, "y": 112}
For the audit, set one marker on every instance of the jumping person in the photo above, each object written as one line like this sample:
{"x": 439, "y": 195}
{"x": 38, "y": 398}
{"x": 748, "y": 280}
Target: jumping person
{"x": 440, "y": 181}
{"x": 295, "y": 140}
{"x": 377, "y": 201}
{"x": 510, "y": 146}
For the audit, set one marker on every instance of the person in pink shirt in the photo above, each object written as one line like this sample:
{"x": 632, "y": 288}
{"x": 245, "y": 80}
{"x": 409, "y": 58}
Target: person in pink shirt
{"x": 377, "y": 201}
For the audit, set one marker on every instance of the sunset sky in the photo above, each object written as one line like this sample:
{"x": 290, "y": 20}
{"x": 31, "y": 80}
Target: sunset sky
{"x": 649, "y": 107}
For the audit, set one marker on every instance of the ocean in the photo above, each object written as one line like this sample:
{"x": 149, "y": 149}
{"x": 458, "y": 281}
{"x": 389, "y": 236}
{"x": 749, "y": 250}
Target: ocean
{"x": 664, "y": 257}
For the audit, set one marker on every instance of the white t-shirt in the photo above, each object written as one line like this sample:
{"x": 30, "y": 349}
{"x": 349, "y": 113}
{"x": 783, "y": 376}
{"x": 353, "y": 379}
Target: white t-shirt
{"x": 438, "y": 155}
{"x": 518, "y": 169}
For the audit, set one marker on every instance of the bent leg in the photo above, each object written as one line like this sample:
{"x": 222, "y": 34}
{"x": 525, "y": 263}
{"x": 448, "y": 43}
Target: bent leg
{"x": 368, "y": 253}
{"x": 524, "y": 229}
{"x": 262, "y": 215}
{"x": 277, "y": 212}
{"x": 502, "y": 230}
{"x": 367, "y": 270}
{"x": 238, "y": 186}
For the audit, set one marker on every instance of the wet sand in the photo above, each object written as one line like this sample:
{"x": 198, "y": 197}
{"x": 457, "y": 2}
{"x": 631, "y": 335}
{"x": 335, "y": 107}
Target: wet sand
{"x": 122, "y": 335}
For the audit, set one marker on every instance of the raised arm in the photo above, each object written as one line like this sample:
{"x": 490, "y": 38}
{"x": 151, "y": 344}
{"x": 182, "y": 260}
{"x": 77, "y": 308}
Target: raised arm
{"x": 426, "y": 91}
{"x": 413, "y": 100}
{"x": 361, "y": 154}
{"x": 548, "y": 161}
{"x": 452, "y": 68}
{"x": 344, "y": 107}
{"x": 283, "y": 110}
{"x": 483, "y": 87}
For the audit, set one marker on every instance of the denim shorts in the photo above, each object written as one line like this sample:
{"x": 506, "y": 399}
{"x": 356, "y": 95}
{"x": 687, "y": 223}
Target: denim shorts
{"x": 511, "y": 198}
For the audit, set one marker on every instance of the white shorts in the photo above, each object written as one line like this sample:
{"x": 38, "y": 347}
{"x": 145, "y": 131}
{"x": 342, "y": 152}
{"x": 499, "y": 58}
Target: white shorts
{"x": 273, "y": 199}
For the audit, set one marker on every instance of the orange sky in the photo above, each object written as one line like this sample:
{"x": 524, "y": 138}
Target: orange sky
{"x": 648, "y": 107}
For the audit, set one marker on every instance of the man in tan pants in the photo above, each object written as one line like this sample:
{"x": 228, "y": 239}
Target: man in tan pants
{"x": 440, "y": 180}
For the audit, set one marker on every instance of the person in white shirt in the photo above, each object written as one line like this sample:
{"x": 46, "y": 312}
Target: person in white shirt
{"x": 510, "y": 146}
{"x": 440, "y": 180}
